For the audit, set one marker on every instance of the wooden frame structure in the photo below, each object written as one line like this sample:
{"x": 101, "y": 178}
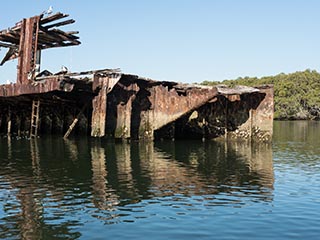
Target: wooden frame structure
{"x": 29, "y": 36}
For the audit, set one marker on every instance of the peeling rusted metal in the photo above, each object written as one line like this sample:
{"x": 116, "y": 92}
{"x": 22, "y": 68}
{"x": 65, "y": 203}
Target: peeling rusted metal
{"x": 99, "y": 102}
{"x": 168, "y": 105}
{"x": 12, "y": 90}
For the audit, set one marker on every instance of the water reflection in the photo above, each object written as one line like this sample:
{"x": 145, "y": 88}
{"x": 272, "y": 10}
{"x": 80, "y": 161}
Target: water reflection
{"x": 61, "y": 185}
{"x": 213, "y": 167}
{"x": 297, "y": 144}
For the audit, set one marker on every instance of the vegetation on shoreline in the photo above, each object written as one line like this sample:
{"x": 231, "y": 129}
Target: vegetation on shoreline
{"x": 296, "y": 95}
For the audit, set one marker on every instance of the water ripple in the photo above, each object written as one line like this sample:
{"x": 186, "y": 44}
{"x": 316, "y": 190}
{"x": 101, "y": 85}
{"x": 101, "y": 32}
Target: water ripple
{"x": 88, "y": 189}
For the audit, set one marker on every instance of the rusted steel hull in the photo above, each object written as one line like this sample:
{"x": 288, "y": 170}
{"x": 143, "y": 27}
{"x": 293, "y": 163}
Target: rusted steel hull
{"x": 104, "y": 84}
{"x": 139, "y": 107}
{"x": 129, "y": 107}
{"x": 169, "y": 105}
{"x": 118, "y": 105}
{"x": 233, "y": 115}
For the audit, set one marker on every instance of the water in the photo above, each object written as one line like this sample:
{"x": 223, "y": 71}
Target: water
{"x": 90, "y": 189}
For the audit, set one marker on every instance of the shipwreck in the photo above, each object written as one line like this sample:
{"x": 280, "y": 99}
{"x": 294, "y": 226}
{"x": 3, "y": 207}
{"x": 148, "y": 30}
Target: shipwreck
{"x": 111, "y": 104}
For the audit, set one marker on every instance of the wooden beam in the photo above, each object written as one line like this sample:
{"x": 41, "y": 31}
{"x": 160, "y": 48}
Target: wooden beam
{"x": 74, "y": 43}
{"x": 53, "y": 17}
{"x": 9, "y": 39}
{"x": 58, "y": 24}
{"x": 72, "y": 32}
{"x": 9, "y": 122}
{"x": 73, "y": 124}
{"x": 11, "y": 54}
{"x": 47, "y": 37}
{"x": 8, "y": 45}
{"x": 63, "y": 35}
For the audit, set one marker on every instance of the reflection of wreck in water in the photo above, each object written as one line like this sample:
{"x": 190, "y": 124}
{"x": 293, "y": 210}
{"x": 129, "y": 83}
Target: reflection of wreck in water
{"x": 122, "y": 174}
{"x": 213, "y": 167}
{"x": 112, "y": 104}
{"x": 27, "y": 195}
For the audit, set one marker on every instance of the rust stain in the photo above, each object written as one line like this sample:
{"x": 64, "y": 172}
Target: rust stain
{"x": 11, "y": 90}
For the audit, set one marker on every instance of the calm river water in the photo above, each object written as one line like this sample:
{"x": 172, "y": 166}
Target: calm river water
{"x": 90, "y": 189}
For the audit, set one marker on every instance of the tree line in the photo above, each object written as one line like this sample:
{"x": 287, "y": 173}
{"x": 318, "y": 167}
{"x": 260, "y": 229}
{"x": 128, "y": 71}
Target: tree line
{"x": 296, "y": 95}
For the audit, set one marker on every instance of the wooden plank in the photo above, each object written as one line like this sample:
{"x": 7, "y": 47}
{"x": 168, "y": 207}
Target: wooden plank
{"x": 11, "y": 54}
{"x": 53, "y": 17}
{"x": 9, "y": 39}
{"x": 72, "y": 32}
{"x": 45, "y": 46}
{"x": 73, "y": 124}
{"x": 63, "y": 35}
{"x": 47, "y": 37}
{"x": 58, "y": 24}
{"x": 20, "y": 59}
{"x": 7, "y": 45}
{"x": 61, "y": 45}
{"x": 9, "y": 122}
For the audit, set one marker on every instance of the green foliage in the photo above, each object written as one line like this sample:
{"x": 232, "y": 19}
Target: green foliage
{"x": 296, "y": 95}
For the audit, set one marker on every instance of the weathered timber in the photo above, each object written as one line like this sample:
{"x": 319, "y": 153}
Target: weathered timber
{"x": 32, "y": 34}
{"x": 75, "y": 121}
{"x": 53, "y": 17}
{"x": 9, "y": 123}
{"x": 59, "y": 24}
{"x": 27, "y": 49}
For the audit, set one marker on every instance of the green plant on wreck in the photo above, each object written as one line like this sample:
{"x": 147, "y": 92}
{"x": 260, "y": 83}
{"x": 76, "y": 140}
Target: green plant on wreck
{"x": 145, "y": 130}
{"x": 120, "y": 131}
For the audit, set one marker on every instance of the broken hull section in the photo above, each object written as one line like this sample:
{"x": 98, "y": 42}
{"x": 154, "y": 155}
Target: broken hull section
{"x": 122, "y": 106}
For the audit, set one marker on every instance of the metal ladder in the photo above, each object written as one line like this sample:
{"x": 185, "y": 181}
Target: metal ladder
{"x": 35, "y": 118}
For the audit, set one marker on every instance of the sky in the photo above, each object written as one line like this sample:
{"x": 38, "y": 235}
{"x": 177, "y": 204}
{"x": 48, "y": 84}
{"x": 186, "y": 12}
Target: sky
{"x": 180, "y": 40}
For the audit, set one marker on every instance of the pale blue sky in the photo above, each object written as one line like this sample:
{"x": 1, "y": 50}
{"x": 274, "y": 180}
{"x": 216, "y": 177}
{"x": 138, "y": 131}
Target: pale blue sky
{"x": 181, "y": 40}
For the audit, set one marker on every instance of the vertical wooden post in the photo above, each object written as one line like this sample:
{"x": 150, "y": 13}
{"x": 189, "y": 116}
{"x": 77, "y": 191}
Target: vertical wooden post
{"x": 99, "y": 109}
{"x": 226, "y": 120}
{"x": 251, "y": 122}
{"x": 37, "y": 64}
{"x": 9, "y": 122}
{"x": 123, "y": 128}
{"x": 28, "y": 49}
{"x": 18, "y": 122}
